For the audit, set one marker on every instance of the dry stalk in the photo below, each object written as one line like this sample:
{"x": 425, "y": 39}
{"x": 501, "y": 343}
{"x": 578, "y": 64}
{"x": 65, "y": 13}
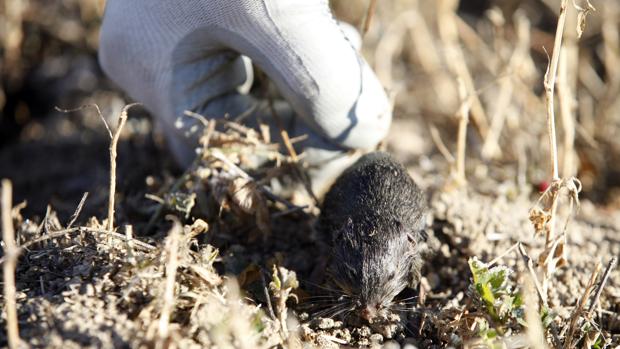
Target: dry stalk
{"x": 78, "y": 210}
{"x": 390, "y": 44}
{"x": 369, "y": 14}
{"x": 553, "y": 192}
{"x": 283, "y": 133}
{"x": 577, "y": 313}
{"x": 535, "y": 333}
{"x": 462, "y": 136}
{"x": 567, "y": 106}
{"x": 129, "y": 244}
{"x": 455, "y": 59}
{"x": 503, "y": 254}
{"x": 491, "y": 148}
{"x": 549, "y": 84}
{"x": 601, "y": 286}
{"x": 530, "y": 267}
{"x": 10, "y": 252}
{"x": 567, "y": 86}
{"x": 113, "y": 145}
{"x": 611, "y": 38}
{"x": 172, "y": 263}
{"x": 441, "y": 146}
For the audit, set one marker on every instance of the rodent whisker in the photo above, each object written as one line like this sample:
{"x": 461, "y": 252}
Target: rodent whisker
{"x": 328, "y": 312}
{"x": 410, "y": 331}
{"x": 347, "y": 314}
{"x": 407, "y": 299}
{"x": 340, "y": 312}
{"x": 325, "y": 296}
{"x": 325, "y": 288}
{"x": 318, "y": 304}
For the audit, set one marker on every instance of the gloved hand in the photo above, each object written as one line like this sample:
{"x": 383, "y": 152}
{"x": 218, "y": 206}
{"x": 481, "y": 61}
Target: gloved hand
{"x": 182, "y": 55}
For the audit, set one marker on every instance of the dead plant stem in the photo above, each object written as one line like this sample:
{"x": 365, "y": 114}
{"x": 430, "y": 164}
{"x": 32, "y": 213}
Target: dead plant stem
{"x": 78, "y": 210}
{"x": 599, "y": 290}
{"x": 172, "y": 251}
{"x": 113, "y": 145}
{"x": 369, "y": 14}
{"x": 549, "y": 83}
{"x": 462, "y": 136}
{"x": 577, "y": 313}
{"x": 11, "y": 252}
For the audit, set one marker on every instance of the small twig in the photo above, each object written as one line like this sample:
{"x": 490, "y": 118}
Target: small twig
{"x": 577, "y": 312}
{"x": 601, "y": 285}
{"x": 567, "y": 106}
{"x": 172, "y": 263}
{"x": 201, "y": 118}
{"x": 534, "y": 329}
{"x": 462, "y": 135}
{"x": 43, "y": 225}
{"x": 539, "y": 291}
{"x": 457, "y": 64}
{"x": 78, "y": 210}
{"x": 10, "y": 253}
{"x": 107, "y": 127}
{"x": 530, "y": 267}
{"x": 209, "y": 134}
{"x": 370, "y": 12}
{"x": 267, "y": 296}
{"x": 441, "y": 146}
{"x": 505, "y": 253}
{"x": 129, "y": 241}
{"x": 334, "y": 339}
{"x": 113, "y": 145}
{"x": 283, "y": 133}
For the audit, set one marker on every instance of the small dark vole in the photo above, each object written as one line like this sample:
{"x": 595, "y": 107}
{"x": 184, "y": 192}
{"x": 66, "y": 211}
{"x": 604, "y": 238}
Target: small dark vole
{"x": 374, "y": 213}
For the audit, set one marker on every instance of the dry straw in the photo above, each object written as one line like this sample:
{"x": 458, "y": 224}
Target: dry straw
{"x": 11, "y": 253}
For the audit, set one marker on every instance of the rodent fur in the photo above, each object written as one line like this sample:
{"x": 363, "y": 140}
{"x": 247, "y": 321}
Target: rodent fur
{"x": 374, "y": 213}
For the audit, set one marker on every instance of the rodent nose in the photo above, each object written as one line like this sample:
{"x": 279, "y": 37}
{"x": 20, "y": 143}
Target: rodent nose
{"x": 368, "y": 312}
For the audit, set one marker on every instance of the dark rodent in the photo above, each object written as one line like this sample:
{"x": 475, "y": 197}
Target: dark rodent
{"x": 374, "y": 213}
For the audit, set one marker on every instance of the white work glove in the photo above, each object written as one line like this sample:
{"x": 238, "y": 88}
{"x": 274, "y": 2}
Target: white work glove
{"x": 174, "y": 56}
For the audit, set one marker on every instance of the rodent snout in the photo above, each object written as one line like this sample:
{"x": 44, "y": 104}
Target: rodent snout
{"x": 368, "y": 312}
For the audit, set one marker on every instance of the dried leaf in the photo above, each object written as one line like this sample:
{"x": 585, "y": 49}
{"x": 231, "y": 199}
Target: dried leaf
{"x": 245, "y": 194}
{"x": 540, "y": 220}
{"x": 197, "y": 228}
{"x": 583, "y": 9}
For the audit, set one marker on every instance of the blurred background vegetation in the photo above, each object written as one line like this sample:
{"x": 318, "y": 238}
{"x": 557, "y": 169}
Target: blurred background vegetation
{"x": 499, "y": 47}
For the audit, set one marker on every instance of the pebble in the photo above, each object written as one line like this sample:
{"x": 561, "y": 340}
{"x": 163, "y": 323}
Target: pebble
{"x": 325, "y": 323}
{"x": 391, "y": 345}
{"x": 376, "y": 338}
